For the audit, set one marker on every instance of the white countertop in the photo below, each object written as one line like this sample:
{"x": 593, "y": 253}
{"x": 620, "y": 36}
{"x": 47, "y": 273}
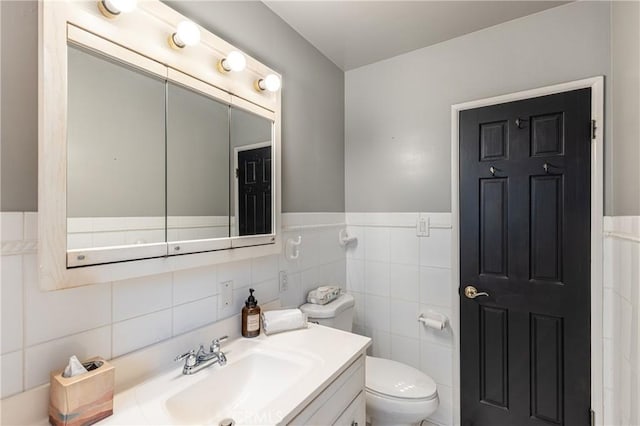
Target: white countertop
{"x": 330, "y": 352}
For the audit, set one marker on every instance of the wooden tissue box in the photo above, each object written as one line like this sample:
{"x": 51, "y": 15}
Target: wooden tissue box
{"x": 83, "y": 399}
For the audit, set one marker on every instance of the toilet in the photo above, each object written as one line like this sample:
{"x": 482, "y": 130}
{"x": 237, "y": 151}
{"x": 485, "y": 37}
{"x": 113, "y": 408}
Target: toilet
{"x": 396, "y": 394}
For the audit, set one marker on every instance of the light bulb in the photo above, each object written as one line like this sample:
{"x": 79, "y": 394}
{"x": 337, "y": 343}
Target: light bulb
{"x": 113, "y": 8}
{"x": 270, "y": 83}
{"x": 187, "y": 34}
{"x": 235, "y": 61}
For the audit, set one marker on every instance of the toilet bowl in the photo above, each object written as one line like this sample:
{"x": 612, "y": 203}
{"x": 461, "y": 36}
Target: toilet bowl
{"x": 396, "y": 394}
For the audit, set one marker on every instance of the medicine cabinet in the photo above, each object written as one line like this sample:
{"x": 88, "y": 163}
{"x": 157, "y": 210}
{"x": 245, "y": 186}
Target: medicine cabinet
{"x": 152, "y": 159}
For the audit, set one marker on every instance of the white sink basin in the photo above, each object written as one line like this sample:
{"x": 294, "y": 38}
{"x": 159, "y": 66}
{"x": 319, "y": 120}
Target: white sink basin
{"x": 243, "y": 390}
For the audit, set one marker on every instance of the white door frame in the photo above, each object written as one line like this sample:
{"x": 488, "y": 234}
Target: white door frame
{"x": 597, "y": 169}
{"x": 236, "y": 151}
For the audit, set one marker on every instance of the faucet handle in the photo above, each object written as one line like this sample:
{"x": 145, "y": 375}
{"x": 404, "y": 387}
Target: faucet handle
{"x": 190, "y": 358}
{"x": 215, "y": 344}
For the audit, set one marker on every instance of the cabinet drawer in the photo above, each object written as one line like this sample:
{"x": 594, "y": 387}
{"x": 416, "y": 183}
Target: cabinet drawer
{"x": 355, "y": 414}
{"x": 327, "y": 407}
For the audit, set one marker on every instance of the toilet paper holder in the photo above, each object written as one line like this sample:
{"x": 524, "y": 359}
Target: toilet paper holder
{"x": 433, "y": 319}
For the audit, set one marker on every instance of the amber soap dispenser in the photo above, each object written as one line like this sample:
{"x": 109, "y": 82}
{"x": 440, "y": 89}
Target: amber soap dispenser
{"x": 251, "y": 316}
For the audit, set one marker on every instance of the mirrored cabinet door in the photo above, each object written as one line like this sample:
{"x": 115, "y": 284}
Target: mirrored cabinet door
{"x": 116, "y": 154}
{"x": 252, "y": 176}
{"x": 197, "y": 167}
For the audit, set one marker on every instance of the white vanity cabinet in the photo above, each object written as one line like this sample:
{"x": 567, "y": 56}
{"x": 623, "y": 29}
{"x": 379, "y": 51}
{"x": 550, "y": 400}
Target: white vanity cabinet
{"x": 341, "y": 403}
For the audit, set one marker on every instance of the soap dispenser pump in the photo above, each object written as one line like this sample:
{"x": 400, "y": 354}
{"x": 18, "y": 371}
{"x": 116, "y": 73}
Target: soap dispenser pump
{"x": 251, "y": 316}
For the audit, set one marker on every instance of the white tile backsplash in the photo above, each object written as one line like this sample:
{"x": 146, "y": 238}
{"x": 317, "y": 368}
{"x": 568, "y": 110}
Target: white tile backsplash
{"x": 355, "y": 275}
{"x": 405, "y": 350}
{"x": 12, "y": 226}
{"x": 141, "y": 331}
{"x": 621, "y": 320}
{"x": 11, "y": 298}
{"x": 194, "y": 284}
{"x": 264, "y": 268}
{"x": 12, "y": 368}
{"x": 55, "y": 314}
{"x": 444, "y": 414}
{"x": 377, "y": 312}
{"x": 30, "y": 226}
{"x": 193, "y": 315}
{"x": 435, "y": 286}
{"x": 376, "y": 278}
{"x": 41, "y": 359}
{"x": 404, "y": 282}
{"x": 404, "y": 318}
{"x": 435, "y": 250}
{"x": 140, "y": 296}
{"x": 111, "y": 319}
{"x": 377, "y": 244}
{"x": 437, "y": 362}
{"x": 239, "y": 272}
{"x": 404, "y": 246}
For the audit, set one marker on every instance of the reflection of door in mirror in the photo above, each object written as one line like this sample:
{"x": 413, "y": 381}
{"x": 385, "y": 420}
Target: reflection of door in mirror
{"x": 116, "y": 153}
{"x": 253, "y": 176}
{"x": 197, "y": 168}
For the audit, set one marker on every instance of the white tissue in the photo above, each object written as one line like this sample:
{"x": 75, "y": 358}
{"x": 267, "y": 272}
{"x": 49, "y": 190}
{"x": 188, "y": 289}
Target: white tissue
{"x": 283, "y": 320}
{"x": 74, "y": 367}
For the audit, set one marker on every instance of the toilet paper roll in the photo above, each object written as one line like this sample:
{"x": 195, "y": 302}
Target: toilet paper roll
{"x": 283, "y": 320}
{"x": 432, "y": 323}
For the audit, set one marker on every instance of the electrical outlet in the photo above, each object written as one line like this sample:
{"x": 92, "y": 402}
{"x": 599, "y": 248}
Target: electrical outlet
{"x": 284, "y": 281}
{"x": 226, "y": 294}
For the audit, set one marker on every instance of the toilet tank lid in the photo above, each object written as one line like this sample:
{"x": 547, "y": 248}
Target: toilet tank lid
{"x": 394, "y": 379}
{"x": 329, "y": 310}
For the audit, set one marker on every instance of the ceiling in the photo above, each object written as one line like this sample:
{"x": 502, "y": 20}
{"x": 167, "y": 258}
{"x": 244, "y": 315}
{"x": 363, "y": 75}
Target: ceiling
{"x": 357, "y": 33}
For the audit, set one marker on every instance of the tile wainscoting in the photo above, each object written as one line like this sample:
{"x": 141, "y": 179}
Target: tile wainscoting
{"x": 40, "y": 330}
{"x": 394, "y": 276}
{"x": 621, "y": 328}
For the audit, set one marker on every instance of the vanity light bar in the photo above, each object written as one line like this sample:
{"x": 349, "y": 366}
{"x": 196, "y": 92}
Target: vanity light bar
{"x": 188, "y": 34}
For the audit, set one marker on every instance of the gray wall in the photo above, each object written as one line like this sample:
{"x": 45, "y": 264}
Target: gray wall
{"x": 19, "y": 118}
{"x": 312, "y": 97}
{"x": 398, "y": 136}
{"x": 624, "y": 148}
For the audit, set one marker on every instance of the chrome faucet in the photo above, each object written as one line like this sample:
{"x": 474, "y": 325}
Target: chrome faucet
{"x": 196, "y": 361}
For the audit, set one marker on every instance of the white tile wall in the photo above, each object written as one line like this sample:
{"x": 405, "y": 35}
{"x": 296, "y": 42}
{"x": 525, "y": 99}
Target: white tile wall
{"x": 621, "y": 320}
{"x": 394, "y": 276}
{"x": 40, "y": 330}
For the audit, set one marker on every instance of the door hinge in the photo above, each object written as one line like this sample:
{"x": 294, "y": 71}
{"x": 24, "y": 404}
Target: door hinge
{"x": 594, "y": 127}
{"x": 592, "y": 418}
{"x": 236, "y": 173}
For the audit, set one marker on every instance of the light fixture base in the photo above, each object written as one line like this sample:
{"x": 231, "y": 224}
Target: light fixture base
{"x": 221, "y": 67}
{"x": 106, "y": 12}
{"x": 256, "y": 85}
{"x": 172, "y": 42}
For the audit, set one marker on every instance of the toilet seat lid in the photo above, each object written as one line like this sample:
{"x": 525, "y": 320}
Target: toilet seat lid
{"x": 394, "y": 379}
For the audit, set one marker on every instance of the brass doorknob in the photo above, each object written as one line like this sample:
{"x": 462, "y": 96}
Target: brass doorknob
{"x": 471, "y": 292}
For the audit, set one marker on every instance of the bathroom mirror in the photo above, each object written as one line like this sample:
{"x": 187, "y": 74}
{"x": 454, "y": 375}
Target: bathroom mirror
{"x": 137, "y": 144}
{"x": 197, "y": 167}
{"x": 252, "y": 173}
{"x": 115, "y": 153}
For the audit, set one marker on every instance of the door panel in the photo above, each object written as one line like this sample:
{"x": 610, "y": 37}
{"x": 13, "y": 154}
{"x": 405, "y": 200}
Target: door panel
{"x": 525, "y": 240}
{"x": 254, "y": 191}
{"x": 494, "y": 372}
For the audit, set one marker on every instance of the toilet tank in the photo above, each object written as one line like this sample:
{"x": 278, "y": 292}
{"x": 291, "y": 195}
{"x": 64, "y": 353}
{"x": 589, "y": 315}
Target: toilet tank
{"x": 337, "y": 314}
